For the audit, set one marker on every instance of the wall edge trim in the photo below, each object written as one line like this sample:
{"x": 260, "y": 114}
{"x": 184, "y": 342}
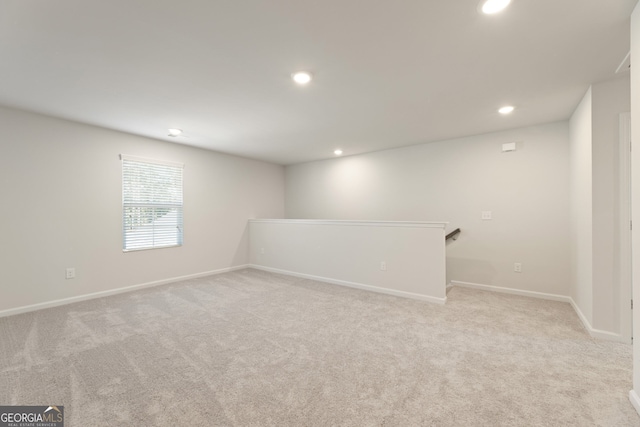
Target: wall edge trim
{"x": 101, "y": 294}
{"x": 594, "y": 333}
{"x": 361, "y": 286}
{"x": 359, "y": 223}
{"x": 635, "y": 400}
{"x": 503, "y": 290}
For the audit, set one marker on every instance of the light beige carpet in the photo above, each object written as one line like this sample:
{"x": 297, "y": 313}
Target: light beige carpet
{"x": 251, "y": 348}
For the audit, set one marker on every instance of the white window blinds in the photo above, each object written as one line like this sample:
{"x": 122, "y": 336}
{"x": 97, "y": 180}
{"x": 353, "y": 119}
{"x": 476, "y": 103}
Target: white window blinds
{"x": 151, "y": 203}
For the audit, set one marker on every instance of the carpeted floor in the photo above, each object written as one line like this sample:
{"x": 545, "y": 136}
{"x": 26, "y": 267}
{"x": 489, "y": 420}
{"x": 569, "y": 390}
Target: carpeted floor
{"x": 251, "y": 348}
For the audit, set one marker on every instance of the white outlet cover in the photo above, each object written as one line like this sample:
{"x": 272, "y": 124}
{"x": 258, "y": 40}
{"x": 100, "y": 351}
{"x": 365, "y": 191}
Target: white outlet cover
{"x": 486, "y": 215}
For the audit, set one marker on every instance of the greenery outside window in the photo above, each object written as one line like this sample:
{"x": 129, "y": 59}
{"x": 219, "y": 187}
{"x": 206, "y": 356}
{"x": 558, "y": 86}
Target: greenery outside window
{"x": 152, "y": 209}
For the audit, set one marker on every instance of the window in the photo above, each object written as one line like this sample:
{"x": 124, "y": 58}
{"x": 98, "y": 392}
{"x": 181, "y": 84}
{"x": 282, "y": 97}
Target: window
{"x": 151, "y": 203}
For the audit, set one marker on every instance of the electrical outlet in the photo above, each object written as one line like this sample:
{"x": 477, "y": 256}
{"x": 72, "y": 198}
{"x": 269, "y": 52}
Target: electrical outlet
{"x": 383, "y": 266}
{"x": 517, "y": 267}
{"x": 486, "y": 215}
{"x": 70, "y": 273}
{"x": 262, "y": 251}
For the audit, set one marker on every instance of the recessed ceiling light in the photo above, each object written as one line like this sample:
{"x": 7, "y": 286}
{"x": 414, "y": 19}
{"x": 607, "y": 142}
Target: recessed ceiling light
{"x": 175, "y": 132}
{"x": 301, "y": 77}
{"x": 506, "y": 109}
{"x": 494, "y": 6}
{"x": 338, "y": 152}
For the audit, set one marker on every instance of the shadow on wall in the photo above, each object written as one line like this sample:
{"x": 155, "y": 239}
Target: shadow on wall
{"x": 241, "y": 256}
{"x": 470, "y": 270}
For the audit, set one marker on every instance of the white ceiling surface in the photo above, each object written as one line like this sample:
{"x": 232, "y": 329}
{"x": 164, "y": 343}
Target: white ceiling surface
{"x": 387, "y": 73}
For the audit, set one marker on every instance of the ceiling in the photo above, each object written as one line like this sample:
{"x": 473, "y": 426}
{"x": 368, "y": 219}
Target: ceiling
{"x": 386, "y": 73}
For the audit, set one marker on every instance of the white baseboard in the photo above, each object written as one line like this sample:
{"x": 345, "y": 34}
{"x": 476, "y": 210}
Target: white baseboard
{"x": 595, "y": 333}
{"x": 70, "y": 300}
{"x": 532, "y": 294}
{"x": 370, "y": 288}
{"x": 635, "y": 400}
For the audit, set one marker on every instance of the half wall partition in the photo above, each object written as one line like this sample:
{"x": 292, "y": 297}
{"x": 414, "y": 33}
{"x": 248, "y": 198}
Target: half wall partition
{"x": 401, "y": 258}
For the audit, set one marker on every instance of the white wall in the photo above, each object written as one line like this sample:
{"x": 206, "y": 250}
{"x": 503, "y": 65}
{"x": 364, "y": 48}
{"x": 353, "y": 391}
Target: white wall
{"x": 350, "y": 253}
{"x": 609, "y": 99}
{"x": 635, "y": 159}
{"x": 595, "y": 190}
{"x": 61, "y": 189}
{"x": 526, "y": 190}
{"x": 581, "y": 207}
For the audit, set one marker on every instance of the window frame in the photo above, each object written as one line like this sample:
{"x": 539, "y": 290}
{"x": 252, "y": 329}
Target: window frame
{"x": 148, "y": 203}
